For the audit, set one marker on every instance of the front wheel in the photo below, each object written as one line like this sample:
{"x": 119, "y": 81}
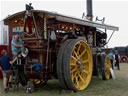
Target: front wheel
{"x": 106, "y": 74}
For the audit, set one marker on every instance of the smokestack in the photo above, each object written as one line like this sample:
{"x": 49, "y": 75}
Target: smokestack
{"x": 89, "y": 10}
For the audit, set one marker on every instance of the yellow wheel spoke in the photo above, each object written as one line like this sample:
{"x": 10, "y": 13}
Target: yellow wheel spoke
{"x": 74, "y": 58}
{"x": 78, "y": 48}
{"x": 85, "y": 61}
{"x": 81, "y": 79}
{"x": 85, "y": 71}
{"x": 74, "y": 75}
{"x": 72, "y": 64}
{"x": 73, "y": 70}
{"x": 82, "y": 53}
{"x": 76, "y": 54}
{"x": 77, "y": 82}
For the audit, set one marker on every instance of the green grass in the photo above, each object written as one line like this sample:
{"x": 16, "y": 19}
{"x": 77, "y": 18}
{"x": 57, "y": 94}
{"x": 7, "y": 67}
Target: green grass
{"x": 97, "y": 87}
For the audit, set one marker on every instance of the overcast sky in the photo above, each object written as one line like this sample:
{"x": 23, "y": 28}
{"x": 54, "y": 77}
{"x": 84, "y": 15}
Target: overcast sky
{"x": 114, "y": 11}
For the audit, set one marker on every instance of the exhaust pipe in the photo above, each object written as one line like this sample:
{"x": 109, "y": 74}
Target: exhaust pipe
{"x": 89, "y": 10}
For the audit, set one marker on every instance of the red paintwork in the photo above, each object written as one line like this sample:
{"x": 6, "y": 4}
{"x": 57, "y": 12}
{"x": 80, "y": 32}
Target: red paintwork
{"x": 122, "y": 56}
{"x": 29, "y": 24}
{"x": 2, "y": 47}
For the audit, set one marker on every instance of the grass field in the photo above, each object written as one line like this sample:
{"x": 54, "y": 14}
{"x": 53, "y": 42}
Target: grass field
{"x": 97, "y": 87}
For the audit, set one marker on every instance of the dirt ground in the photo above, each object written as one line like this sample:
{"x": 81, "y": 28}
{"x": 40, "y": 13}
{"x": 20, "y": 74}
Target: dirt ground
{"x": 97, "y": 87}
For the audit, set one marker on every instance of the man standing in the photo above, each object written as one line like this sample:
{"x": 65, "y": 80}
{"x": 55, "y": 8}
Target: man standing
{"x": 16, "y": 46}
{"x": 117, "y": 60}
{"x": 5, "y": 67}
{"x": 111, "y": 56}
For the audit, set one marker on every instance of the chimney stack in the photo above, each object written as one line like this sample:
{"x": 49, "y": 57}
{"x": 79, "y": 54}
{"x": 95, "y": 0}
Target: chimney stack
{"x": 89, "y": 10}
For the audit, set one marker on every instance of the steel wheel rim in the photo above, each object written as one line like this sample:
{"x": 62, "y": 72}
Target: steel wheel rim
{"x": 81, "y": 65}
{"x": 107, "y": 67}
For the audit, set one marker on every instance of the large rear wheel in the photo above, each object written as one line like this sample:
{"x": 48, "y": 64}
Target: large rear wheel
{"x": 59, "y": 67}
{"x": 77, "y": 65}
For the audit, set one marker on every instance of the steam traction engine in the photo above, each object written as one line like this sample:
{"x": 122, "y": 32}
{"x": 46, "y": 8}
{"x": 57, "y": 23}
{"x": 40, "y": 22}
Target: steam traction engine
{"x": 68, "y": 48}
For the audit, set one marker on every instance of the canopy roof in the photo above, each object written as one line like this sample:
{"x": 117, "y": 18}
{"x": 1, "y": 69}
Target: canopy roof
{"x": 60, "y": 17}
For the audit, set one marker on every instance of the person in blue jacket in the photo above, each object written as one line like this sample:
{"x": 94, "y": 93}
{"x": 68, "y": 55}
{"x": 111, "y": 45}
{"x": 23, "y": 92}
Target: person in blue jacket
{"x": 111, "y": 56}
{"x": 16, "y": 45}
{"x": 5, "y": 67}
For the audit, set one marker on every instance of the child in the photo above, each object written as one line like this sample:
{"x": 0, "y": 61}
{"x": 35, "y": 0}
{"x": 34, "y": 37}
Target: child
{"x": 5, "y": 67}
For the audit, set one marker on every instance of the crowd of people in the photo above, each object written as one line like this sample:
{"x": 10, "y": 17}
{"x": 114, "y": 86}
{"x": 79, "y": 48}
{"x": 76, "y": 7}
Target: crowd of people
{"x": 115, "y": 59}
